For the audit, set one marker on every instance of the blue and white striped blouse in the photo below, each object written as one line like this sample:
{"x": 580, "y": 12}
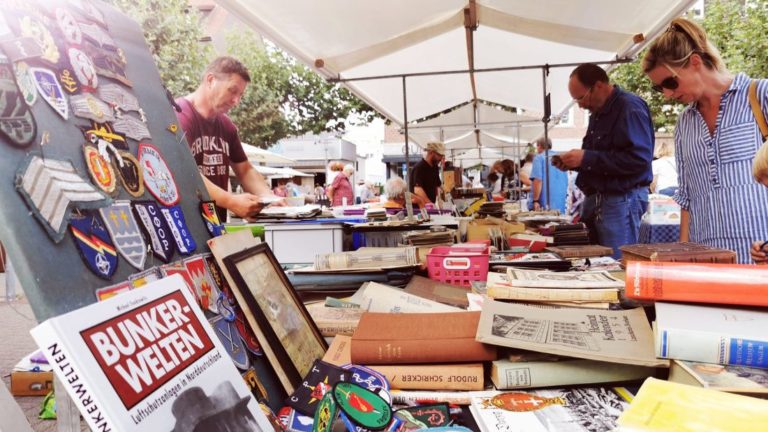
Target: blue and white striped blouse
{"x": 728, "y": 208}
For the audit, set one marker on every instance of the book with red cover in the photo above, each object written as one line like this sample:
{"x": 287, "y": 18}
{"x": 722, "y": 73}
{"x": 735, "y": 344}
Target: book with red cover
{"x": 414, "y": 338}
{"x": 738, "y": 284}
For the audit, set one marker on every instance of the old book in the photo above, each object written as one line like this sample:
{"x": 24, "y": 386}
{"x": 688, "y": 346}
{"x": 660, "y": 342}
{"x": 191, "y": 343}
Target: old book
{"x": 455, "y": 397}
{"x": 580, "y": 251}
{"x": 334, "y": 321}
{"x": 578, "y": 409}
{"x": 568, "y": 279}
{"x": 500, "y": 287}
{"x": 737, "y": 284}
{"x": 663, "y": 405}
{"x": 148, "y": 360}
{"x": 543, "y": 260}
{"x": 368, "y": 258}
{"x": 712, "y": 334}
{"x": 437, "y": 291}
{"x": 507, "y": 375}
{"x": 731, "y": 379}
{"x": 385, "y": 338}
{"x": 676, "y": 252}
{"x": 605, "y": 335}
{"x": 376, "y": 297}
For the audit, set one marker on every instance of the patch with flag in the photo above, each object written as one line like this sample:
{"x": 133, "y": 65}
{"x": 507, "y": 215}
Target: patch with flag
{"x": 158, "y": 178}
{"x": 93, "y": 242}
{"x": 125, "y": 232}
{"x": 185, "y": 243}
{"x": 207, "y": 292}
{"x": 17, "y": 125}
{"x": 230, "y": 338}
{"x": 113, "y": 290}
{"x": 211, "y": 218}
{"x": 49, "y": 89}
{"x": 154, "y": 226}
{"x": 178, "y": 268}
{"x": 51, "y": 188}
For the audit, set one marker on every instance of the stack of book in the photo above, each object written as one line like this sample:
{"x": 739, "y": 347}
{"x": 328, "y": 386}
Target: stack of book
{"x": 568, "y": 234}
{"x": 676, "y": 252}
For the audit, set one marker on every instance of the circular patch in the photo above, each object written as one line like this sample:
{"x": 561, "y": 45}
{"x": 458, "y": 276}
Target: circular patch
{"x": 100, "y": 170}
{"x": 325, "y": 414}
{"x": 69, "y": 26}
{"x": 85, "y": 71}
{"x": 131, "y": 176}
{"x": 362, "y": 406}
{"x": 158, "y": 178}
{"x": 25, "y": 82}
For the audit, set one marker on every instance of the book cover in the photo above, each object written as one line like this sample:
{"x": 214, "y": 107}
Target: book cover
{"x": 580, "y": 251}
{"x": 712, "y": 334}
{"x": 451, "y": 295}
{"x": 738, "y": 284}
{"x": 148, "y": 360}
{"x": 579, "y": 409}
{"x": 500, "y": 287}
{"x": 676, "y": 252}
{"x": 332, "y": 321}
{"x": 667, "y": 406}
{"x": 622, "y": 336}
{"x": 569, "y": 279}
{"x": 386, "y": 338}
{"x": 376, "y": 297}
{"x": 732, "y": 379}
{"x": 508, "y": 375}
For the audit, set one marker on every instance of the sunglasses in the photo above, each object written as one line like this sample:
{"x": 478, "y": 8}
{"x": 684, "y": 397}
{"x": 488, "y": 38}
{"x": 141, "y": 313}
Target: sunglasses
{"x": 669, "y": 83}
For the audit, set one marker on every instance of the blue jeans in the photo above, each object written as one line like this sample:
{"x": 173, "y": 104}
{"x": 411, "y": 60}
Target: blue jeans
{"x": 614, "y": 218}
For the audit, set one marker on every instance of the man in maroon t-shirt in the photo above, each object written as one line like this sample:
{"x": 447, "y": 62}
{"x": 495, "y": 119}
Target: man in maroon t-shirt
{"x": 214, "y": 141}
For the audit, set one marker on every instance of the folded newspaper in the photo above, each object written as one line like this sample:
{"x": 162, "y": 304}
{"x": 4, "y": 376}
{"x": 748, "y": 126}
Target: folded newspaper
{"x": 569, "y": 279}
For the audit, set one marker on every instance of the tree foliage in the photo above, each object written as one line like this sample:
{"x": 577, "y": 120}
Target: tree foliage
{"x": 735, "y": 27}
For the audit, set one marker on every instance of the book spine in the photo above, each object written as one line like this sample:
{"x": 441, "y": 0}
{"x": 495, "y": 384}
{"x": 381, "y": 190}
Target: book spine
{"x": 544, "y": 294}
{"x": 420, "y": 351}
{"x": 459, "y": 397}
{"x": 433, "y": 377}
{"x": 332, "y": 328}
{"x": 699, "y": 283}
{"x": 507, "y": 375}
{"x": 72, "y": 378}
{"x": 706, "y": 347}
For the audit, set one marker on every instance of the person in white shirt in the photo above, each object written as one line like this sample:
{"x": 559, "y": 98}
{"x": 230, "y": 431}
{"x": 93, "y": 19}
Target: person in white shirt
{"x": 664, "y": 170}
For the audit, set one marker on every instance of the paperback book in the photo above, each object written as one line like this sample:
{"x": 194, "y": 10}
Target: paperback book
{"x": 147, "y": 360}
{"x": 731, "y": 379}
{"x": 569, "y": 279}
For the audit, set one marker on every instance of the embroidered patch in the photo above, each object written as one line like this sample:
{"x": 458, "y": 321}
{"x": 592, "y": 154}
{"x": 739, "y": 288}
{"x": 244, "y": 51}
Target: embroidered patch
{"x": 185, "y": 243}
{"x": 88, "y": 11}
{"x": 94, "y": 243}
{"x": 155, "y": 228}
{"x": 319, "y": 381}
{"x": 131, "y": 127}
{"x": 325, "y": 414}
{"x": 177, "y": 268}
{"x": 158, "y": 178}
{"x": 246, "y": 332}
{"x": 17, "y": 124}
{"x": 90, "y": 107}
{"x": 104, "y": 131}
{"x": 364, "y": 407}
{"x": 100, "y": 170}
{"x": 131, "y": 175}
{"x": 25, "y": 82}
{"x": 229, "y": 337}
{"x": 113, "y": 290}
{"x": 51, "y": 187}
{"x": 424, "y": 416}
{"x": 218, "y": 279}
{"x": 69, "y": 26}
{"x": 108, "y": 63}
{"x": 32, "y": 28}
{"x": 138, "y": 280}
{"x": 68, "y": 82}
{"x": 211, "y": 218}
{"x": 118, "y": 97}
{"x": 368, "y": 378}
{"x": 84, "y": 70}
{"x": 125, "y": 232}
{"x": 96, "y": 35}
{"x": 50, "y": 90}
{"x": 203, "y": 283}
{"x": 21, "y": 49}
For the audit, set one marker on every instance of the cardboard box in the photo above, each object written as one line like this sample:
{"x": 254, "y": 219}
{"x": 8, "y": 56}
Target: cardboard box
{"x": 31, "y": 383}
{"x": 478, "y": 228}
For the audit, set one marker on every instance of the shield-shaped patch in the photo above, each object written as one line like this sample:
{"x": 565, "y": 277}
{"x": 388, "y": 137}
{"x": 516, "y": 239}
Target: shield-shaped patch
{"x": 131, "y": 176}
{"x": 16, "y": 121}
{"x": 185, "y": 243}
{"x": 154, "y": 226}
{"x": 125, "y": 232}
{"x": 49, "y": 89}
{"x": 230, "y": 338}
{"x": 206, "y": 288}
{"x": 93, "y": 241}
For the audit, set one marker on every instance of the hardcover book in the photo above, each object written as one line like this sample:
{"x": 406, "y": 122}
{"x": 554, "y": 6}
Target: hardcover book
{"x": 507, "y": 375}
{"x": 580, "y": 251}
{"x": 712, "y": 334}
{"x": 676, "y": 252}
{"x": 738, "y": 284}
{"x": 147, "y": 360}
{"x": 731, "y": 379}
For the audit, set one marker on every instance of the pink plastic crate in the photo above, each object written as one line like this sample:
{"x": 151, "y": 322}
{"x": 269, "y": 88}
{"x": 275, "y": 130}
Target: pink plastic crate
{"x": 458, "y": 265}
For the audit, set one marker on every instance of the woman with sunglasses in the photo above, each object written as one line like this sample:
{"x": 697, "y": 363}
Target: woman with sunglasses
{"x": 716, "y": 139}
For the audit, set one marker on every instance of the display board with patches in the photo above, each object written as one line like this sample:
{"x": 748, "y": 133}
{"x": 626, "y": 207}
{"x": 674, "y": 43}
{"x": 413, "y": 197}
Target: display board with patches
{"x": 89, "y": 154}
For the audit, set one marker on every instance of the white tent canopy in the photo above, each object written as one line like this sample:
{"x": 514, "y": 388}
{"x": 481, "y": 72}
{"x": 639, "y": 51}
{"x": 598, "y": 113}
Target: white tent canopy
{"x": 272, "y": 172}
{"x": 474, "y": 157}
{"x": 259, "y": 155}
{"x": 346, "y": 39}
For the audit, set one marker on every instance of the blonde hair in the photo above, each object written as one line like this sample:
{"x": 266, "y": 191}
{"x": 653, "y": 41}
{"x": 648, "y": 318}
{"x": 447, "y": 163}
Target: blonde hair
{"x": 682, "y": 39}
{"x": 760, "y": 164}
{"x": 348, "y": 169}
{"x": 664, "y": 148}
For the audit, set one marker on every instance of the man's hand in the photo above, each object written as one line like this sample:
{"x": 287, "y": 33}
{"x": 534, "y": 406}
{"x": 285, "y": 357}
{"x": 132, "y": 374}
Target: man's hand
{"x": 758, "y": 252}
{"x": 244, "y": 205}
{"x": 568, "y": 160}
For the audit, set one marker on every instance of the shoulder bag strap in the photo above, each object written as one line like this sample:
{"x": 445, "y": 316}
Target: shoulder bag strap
{"x": 756, "y": 111}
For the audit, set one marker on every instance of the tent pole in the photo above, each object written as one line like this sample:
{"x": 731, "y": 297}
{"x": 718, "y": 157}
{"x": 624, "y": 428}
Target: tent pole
{"x": 547, "y": 113}
{"x": 408, "y": 203}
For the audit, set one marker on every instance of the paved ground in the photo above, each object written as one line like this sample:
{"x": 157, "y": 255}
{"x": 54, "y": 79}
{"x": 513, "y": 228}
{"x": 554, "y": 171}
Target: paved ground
{"x": 16, "y": 319}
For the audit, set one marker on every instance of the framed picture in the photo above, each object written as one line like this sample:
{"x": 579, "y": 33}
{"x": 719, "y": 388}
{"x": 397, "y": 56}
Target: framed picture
{"x": 286, "y": 328}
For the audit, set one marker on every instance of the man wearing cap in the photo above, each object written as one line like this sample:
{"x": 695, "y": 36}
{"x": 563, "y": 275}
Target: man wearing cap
{"x": 425, "y": 179}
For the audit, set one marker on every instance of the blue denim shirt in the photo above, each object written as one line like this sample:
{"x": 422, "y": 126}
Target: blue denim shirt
{"x": 618, "y": 146}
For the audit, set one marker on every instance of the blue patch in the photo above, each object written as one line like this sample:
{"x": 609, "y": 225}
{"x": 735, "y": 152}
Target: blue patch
{"x": 366, "y": 377}
{"x": 173, "y": 215}
{"x": 211, "y": 218}
{"x": 230, "y": 338}
{"x": 154, "y": 226}
{"x": 95, "y": 245}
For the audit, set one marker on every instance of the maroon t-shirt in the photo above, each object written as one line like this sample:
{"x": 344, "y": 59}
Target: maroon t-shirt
{"x": 214, "y": 143}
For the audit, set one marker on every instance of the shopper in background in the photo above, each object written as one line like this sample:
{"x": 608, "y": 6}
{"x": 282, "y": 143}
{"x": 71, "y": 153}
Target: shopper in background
{"x": 550, "y": 185}
{"x": 340, "y": 192}
{"x": 425, "y": 178}
{"x": 664, "y": 170}
{"x": 716, "y": 140}
{"x": 614, "y": 162}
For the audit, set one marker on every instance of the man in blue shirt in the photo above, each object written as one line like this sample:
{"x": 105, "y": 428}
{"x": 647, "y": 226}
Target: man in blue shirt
{"x": 614, "y": 162}
{"x": 547, "y": 180}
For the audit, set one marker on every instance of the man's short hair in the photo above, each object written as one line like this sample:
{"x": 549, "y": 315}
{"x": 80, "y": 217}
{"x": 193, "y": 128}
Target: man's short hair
{"x": 544, "y": 143}
{"x": 395, "y": 188}
{"x": 227, "y": 65}
{"x": 589, "y": 73}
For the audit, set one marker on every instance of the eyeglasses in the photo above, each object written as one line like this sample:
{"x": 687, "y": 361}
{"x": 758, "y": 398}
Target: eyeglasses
{"x": 669, "y": 83}
{"x": 580, "y": 98}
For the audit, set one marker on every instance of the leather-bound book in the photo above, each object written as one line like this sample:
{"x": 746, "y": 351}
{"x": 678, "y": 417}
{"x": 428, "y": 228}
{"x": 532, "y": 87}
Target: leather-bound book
{"x": 676, "y": 252}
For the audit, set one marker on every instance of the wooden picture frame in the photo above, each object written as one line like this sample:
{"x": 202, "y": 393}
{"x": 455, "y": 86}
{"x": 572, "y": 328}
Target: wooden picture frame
{"x": 286, "y": 328}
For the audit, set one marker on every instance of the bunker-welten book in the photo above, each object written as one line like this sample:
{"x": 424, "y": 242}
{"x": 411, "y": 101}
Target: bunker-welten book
{"x": 148, "y": 360}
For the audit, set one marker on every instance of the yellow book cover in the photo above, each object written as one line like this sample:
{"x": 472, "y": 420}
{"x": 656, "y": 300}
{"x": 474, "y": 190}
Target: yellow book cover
{"x": 667, "y": 406}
